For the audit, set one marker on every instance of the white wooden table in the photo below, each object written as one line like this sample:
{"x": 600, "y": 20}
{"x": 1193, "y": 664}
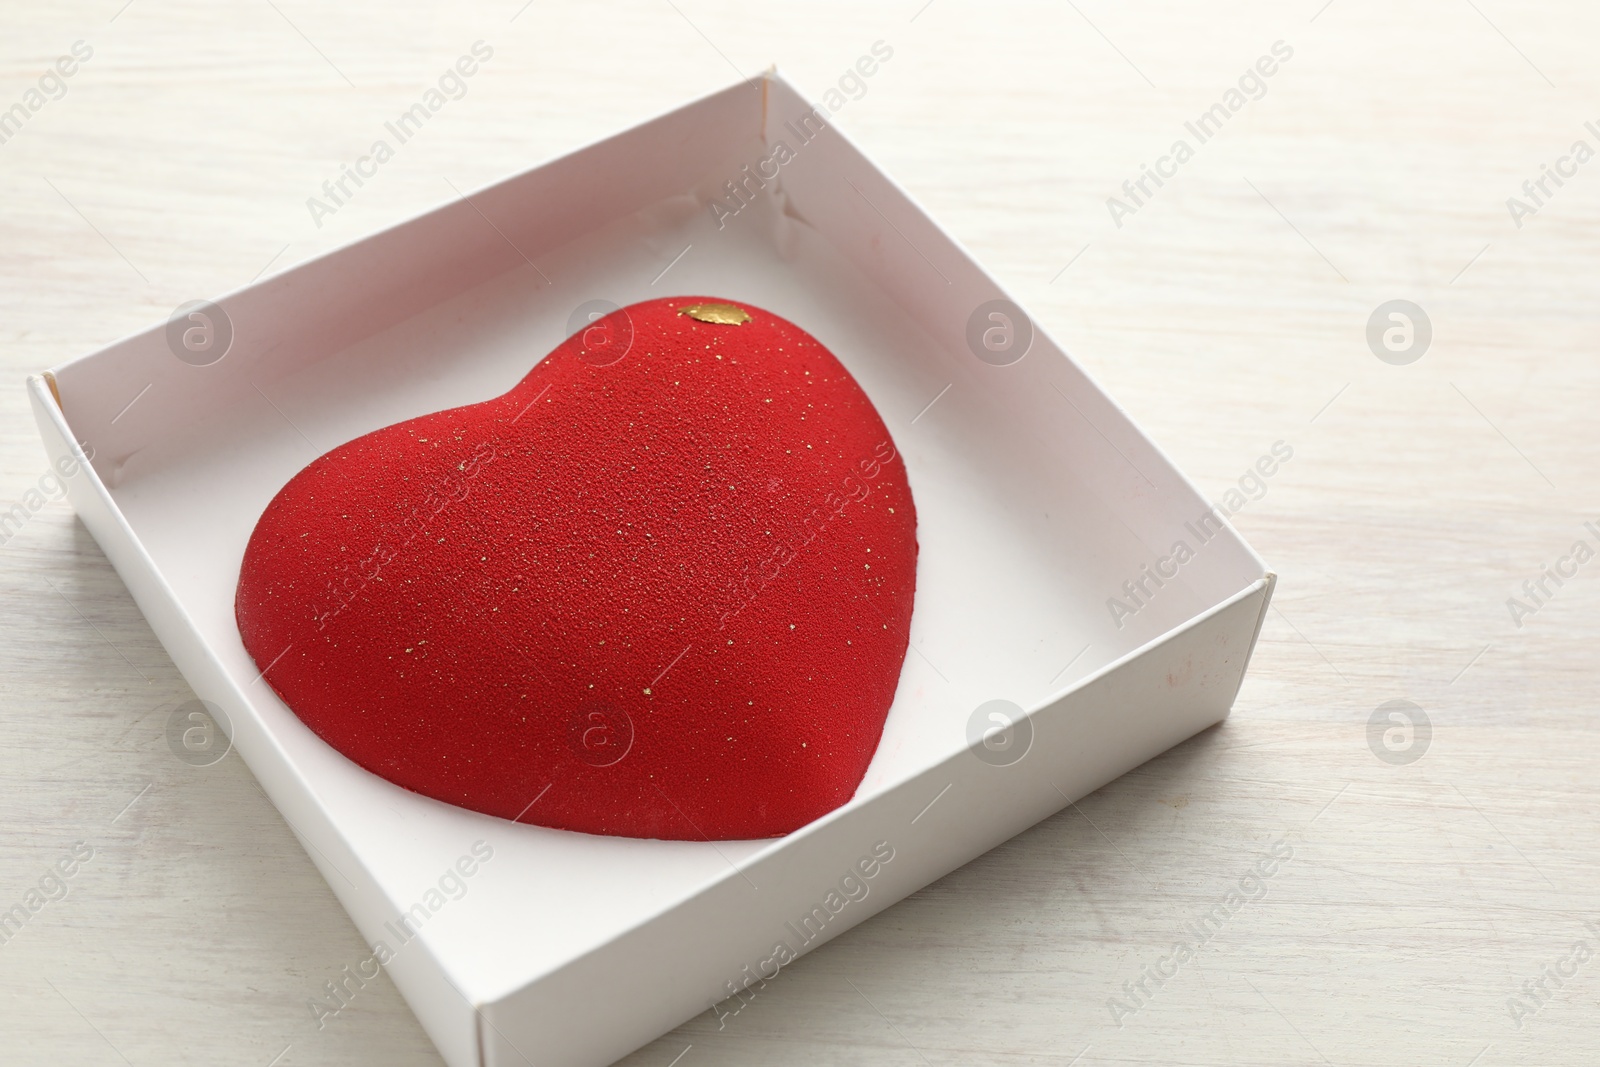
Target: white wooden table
{"x": 1228, "y": 312}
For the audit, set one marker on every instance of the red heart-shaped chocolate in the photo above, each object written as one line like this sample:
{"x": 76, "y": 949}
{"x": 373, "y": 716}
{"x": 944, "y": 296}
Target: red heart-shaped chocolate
{"x": 661, "y": 588}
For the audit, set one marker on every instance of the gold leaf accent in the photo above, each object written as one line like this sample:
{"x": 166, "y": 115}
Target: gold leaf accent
{"x": 722, "y": 314}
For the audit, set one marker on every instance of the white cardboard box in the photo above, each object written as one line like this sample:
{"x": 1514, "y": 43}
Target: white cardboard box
{"x": 1037, "y": 497}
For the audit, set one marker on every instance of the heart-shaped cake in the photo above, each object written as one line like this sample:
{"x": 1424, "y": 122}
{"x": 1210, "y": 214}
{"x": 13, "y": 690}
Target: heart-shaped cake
{"x": 661, "y": 588}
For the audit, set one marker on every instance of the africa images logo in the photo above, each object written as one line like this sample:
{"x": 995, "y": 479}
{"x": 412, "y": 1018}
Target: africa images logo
{"x": 1251, "y": 85}
{"x": 450, "y": 85}
{"x": 1195, "y": 934}
{"x": 852, "y": 886}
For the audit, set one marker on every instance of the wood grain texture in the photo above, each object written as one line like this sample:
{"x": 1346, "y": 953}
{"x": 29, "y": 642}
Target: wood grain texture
{"x": 1228, "y": 313}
